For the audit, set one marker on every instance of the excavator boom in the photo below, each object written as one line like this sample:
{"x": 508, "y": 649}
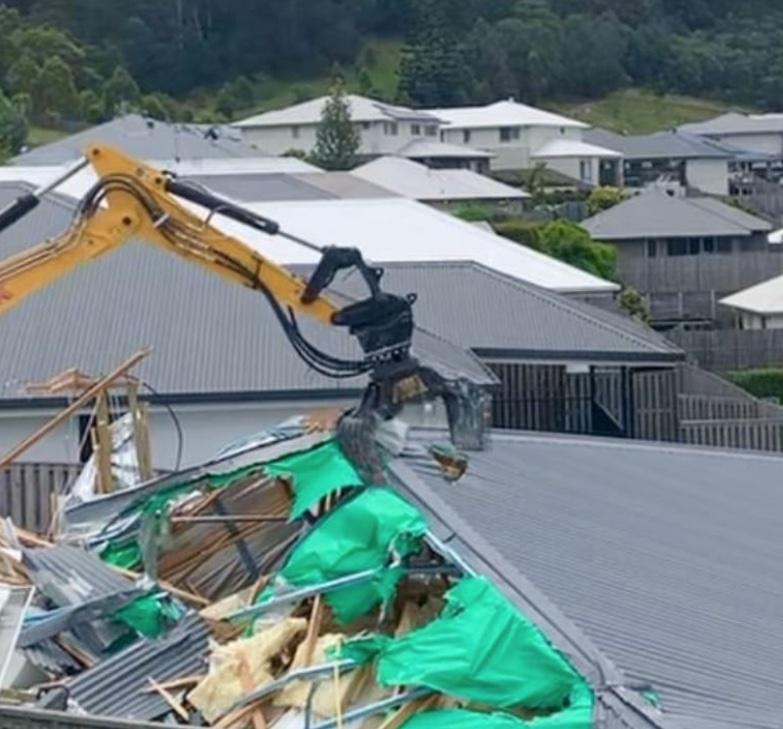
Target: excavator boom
{"x": 131, "y": 200}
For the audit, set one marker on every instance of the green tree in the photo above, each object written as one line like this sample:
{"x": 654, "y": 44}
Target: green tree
{"x": 365, "y": 81}
{"x": 120, "y": 92}
{"x": 337, "y": 140}
{"x": 603, "y": 198}
{"x": 91, "y": 108}
{"x": 633, "y": 302}
{"x": 54, "y": 92}
{"x": 13, "y": 127}
{"x": 152, "y": 106}
{"x": 22, "y": 75}
{"x": 572, "y": 244}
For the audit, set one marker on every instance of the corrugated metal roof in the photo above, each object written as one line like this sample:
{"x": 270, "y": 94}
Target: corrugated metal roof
{"x": 118, "y": 686}
{"x": 654, "y": 214}
{"x": 144, "y": 138}
{"x": 71, "y": 576}
{"x": 309, "y": 112}
{"x": 669, "y": 558}
{"x": 764, "y": 298}
{"x": 261, "y": 187}
{"x": 429, "y": 148}
{"x": 661, "y": 145}
{"x": 573, "y": 148}
{"x": 208, "y": 337}
{"x": 345, "y": 185}
{"x": 398, "y": 229}
{"x": 495, "y": 315}
{"x": 735, "y": 123}
{"x": 502, "y": 113}
{"x": 419, "y": 182}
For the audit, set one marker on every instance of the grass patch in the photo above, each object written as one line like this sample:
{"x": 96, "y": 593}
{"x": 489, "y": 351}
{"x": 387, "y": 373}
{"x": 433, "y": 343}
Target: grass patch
{"x": 40, "y": 135}
{"x": 636, "y": 111}
{"x": 381, "y": 57}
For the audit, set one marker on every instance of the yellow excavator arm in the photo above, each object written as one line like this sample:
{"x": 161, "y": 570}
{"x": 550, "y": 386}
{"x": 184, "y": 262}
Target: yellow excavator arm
{"x": 146, "y": 210}
{"x": 133, "y": 201}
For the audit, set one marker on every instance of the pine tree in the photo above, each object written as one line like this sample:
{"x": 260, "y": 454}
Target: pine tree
{"x": 337, "y": 139}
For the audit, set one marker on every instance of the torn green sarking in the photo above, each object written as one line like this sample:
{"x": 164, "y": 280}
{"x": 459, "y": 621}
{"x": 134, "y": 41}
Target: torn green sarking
{"x": 315, "y": 473}
{"x": 366, "y": 532}
{"x": 479, "y": 649}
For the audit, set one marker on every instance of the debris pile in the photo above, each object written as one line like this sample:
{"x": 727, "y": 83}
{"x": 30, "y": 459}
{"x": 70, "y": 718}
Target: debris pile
{"x": 271, "y": 589}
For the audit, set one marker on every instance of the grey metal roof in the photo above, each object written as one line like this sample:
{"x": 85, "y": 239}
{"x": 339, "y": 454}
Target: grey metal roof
{"x": 500, "y": 316}
{"x": 654, "y": 214}
{"x": 735, "y": 123}
{"x": 210, "y": 339}
{"x": 345, "y": 185}
{"x": 263, "y": 187}
{"x": 118, "y": 685}
{"x": 144, "y": 138}
{"x": 668, "y": 558}
{"x": 661, "y": 145}
{"x": 70, "y": 576}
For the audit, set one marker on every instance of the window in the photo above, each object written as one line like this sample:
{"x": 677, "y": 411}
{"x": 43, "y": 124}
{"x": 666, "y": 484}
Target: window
{"x": 677, "y": 247}
{"x": 709, "y": 245}
{"x": 416, "y": 130}
{"x": 694, "y": 245}
{"x": 509, "y": 134}
{"x": 724, "y": 245}
{"x": 562, "y": 130}
{"x": 390, "y": 129}
{"x": 466, "y": 136}
{"x": 652, "y": 247}
{"x": 585, "y": 170}
{"x": 365, "y": 125}
{"x": 295, "y": 132}
{"x": 431, "y": 130}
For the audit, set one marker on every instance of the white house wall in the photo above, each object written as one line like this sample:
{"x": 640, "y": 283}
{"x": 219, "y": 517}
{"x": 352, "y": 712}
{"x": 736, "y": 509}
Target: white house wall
{"x": 757, "y": 321}
{"x": 572, "y": 166}
{"x": 514, "y": 155}
{"x": 206, "y": 428}
{"x": 708, "y": 175}
{"x": 376, "y": 137}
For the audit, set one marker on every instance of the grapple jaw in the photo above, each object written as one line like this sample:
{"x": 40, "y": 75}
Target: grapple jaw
{"x": 392, "y": 385}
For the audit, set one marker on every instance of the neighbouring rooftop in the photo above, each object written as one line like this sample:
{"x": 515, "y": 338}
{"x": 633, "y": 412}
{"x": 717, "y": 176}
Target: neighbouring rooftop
{"x": 502, "y": 114}
{"x": 147, "y": 139}
{"x": 669, "y": 558}
{"x": 656, "y": 214}
{"x": 765, "y": 298}
{"x": 419, "y": 182}
{"x": 363, "y": 109}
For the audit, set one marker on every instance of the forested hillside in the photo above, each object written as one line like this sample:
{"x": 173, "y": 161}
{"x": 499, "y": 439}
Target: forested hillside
{"x": 79, "y": 60}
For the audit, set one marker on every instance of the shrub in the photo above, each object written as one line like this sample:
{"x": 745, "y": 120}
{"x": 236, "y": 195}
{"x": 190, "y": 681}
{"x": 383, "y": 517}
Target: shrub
{"x": 766, "y": 382}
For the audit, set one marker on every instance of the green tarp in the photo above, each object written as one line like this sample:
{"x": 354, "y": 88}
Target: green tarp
{"x": 150, "y": 616}
{"x": 462, "y": 719}
{"x": 315, "y": 473}
{"x": 363, "y": 533}
{"x": 479, "y": 649}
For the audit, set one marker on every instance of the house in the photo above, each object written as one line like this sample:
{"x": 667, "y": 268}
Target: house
{"x": 441, "y": 155}
{"x": 669, "y": 559}
{"x": 147, "y": 139}
{"x": 680, "y": 157}
{"x": 761, "y": 133}
{"x": 384, "y": 128}
{"x": 562, "y": 364}
{"x": 685, "y": 253}
{"x": 521, "y": 136}
{"x": 439, "y": 186}
{"x": 759, "y": 306}
{"x": 220, "y": 358}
